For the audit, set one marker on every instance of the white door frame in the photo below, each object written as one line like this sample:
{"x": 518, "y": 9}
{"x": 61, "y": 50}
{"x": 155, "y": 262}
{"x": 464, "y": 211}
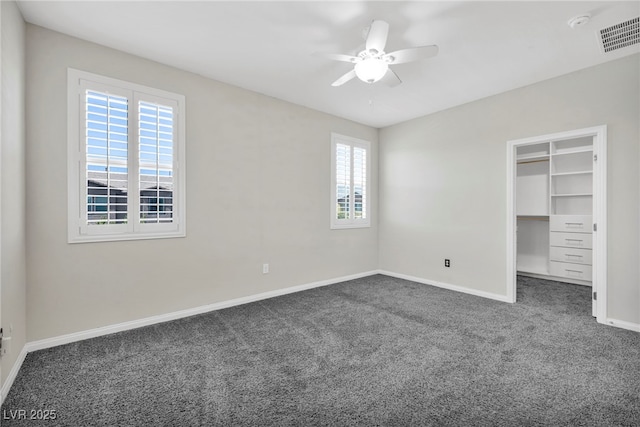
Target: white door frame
{"x": 599, "y": 279}
{"x": 1, "y": 72}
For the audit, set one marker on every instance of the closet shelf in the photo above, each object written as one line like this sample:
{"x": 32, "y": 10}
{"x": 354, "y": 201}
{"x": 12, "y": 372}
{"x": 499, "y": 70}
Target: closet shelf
{"x": 588, "y": 149}
{"x": 572, "y": 195}
{"x": 585, "y": 172}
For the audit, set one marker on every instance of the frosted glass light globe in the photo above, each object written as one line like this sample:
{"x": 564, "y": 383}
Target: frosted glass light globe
{"x": 370, "y": 70}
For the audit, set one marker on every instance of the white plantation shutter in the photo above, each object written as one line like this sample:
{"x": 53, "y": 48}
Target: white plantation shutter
{"x": 156, "y": 172}
{"x": 126, "y": 147}
{"x": 350, "y": 182}
{"x": 343, "y": 181}
{"x": 106, "y": 136}
{"x": 359, "y": 183}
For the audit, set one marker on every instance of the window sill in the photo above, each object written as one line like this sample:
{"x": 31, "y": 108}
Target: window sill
{"x": 347, "y": 226}
{"x": 124, "y": 237}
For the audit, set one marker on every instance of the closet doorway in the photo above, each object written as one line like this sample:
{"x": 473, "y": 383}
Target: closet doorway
{"x": 556, "y": 211}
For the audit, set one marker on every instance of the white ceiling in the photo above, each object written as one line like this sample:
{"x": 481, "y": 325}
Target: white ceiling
{"x": 485, "y": 47}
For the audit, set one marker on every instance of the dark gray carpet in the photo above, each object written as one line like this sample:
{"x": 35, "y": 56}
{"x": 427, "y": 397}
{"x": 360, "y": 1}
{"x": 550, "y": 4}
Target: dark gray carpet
{"x": 373, "y": 351}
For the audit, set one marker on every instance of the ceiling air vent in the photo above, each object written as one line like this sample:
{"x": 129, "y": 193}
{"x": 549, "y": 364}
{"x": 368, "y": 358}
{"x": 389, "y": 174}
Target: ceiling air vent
{"x": 620, "y": 35}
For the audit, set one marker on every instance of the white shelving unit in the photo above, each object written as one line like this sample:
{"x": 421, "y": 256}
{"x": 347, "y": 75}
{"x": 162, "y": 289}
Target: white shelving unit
{"x": 571, "y": 220}
{"x": 554, "y": 207}
{"x": 532, "y": 208}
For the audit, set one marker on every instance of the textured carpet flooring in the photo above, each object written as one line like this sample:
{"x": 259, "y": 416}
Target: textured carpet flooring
{"x": 373, "y": 351}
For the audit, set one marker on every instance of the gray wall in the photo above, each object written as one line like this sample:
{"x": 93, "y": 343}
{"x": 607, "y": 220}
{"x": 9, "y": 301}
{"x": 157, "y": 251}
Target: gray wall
{"x": 12, "y": 193}
{"x": 258, "y": 174}
{"x": 258, "y": 191}
{"x": 443, "y": 180}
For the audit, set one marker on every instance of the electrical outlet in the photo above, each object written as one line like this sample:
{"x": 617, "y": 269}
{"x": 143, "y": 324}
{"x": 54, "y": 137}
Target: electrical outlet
{"x": 265, "y": 268}
{"x": 447, "y": 263}
{"x": 6, "y": 346}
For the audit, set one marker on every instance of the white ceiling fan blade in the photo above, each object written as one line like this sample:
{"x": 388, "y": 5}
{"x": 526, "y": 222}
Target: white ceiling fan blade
{"x": 345, "y": 78}
{"x": 338, "y": 57}
{"x": 377, "y": 37}
{"x": 411, "y": 54}
{"x": 391, "y": 79}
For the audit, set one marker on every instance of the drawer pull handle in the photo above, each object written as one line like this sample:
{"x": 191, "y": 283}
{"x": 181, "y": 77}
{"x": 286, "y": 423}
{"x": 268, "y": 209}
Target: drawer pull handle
{"x": 573, "y": 271}
{"x": 574, "y": 224}
{"x": 574, "y": 242}
{"x": 573, "y": 255}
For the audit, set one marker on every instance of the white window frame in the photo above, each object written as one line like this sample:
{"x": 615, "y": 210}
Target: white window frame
{"x": 350, "y": 222}
{"x": 78, "y": 231}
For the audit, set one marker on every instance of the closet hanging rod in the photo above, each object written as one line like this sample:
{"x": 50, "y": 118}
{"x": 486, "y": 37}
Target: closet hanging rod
{"x": 533, "y": 161}
{"x": 533, "y": 218}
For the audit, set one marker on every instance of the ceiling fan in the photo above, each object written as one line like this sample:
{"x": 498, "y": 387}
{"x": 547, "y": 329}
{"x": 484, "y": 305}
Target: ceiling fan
{"x": 372, "y": 64}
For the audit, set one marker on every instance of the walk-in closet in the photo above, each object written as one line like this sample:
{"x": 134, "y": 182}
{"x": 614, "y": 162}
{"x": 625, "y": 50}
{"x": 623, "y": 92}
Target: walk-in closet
{"x": 554, "y": 208}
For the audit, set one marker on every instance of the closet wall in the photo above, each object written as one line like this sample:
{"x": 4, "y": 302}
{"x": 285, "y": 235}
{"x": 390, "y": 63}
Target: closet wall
{"x": 554, "y": 206}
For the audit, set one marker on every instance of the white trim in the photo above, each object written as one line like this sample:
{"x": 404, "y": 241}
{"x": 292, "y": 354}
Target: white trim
{"x": 125, "y": 326}
{"x": 622, "y": 324}
{"x": 77, "y": 231}
{"x": 599, "y": 211}
{"x": 1, "y": 73}
{"x": 511, "y": 222}
{"x": 337, "y": 224}
{"x": 470, "y": 291}
{"x": 600, "y": 218}
{"x": 13, "y": 373}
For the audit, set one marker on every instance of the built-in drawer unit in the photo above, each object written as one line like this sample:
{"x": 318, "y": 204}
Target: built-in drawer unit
{"x": 570, "y": 246}
{"x": 569, "y": 270}
{"x": 571, "y": 240}
{"x": 578, "y": 256}
{"x": 571, "y": 223}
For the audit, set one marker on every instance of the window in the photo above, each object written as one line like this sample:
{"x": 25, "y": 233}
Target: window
{"x": 126, "y": 150}
{"x": 350, "y": 160}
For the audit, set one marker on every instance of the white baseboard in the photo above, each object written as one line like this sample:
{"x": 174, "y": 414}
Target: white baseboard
{"x": 555, "y": 278}
{"x": 125, "y": 326}
{"x": 623, "y": 324}
{"x": 483, "y": 294}
{"x": 13, "y": 373}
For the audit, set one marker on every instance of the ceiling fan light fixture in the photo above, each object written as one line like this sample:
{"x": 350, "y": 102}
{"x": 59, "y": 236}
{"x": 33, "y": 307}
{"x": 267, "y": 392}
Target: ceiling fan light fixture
{"x": 370, "y": 70}
{"x": 372, "y": 64}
